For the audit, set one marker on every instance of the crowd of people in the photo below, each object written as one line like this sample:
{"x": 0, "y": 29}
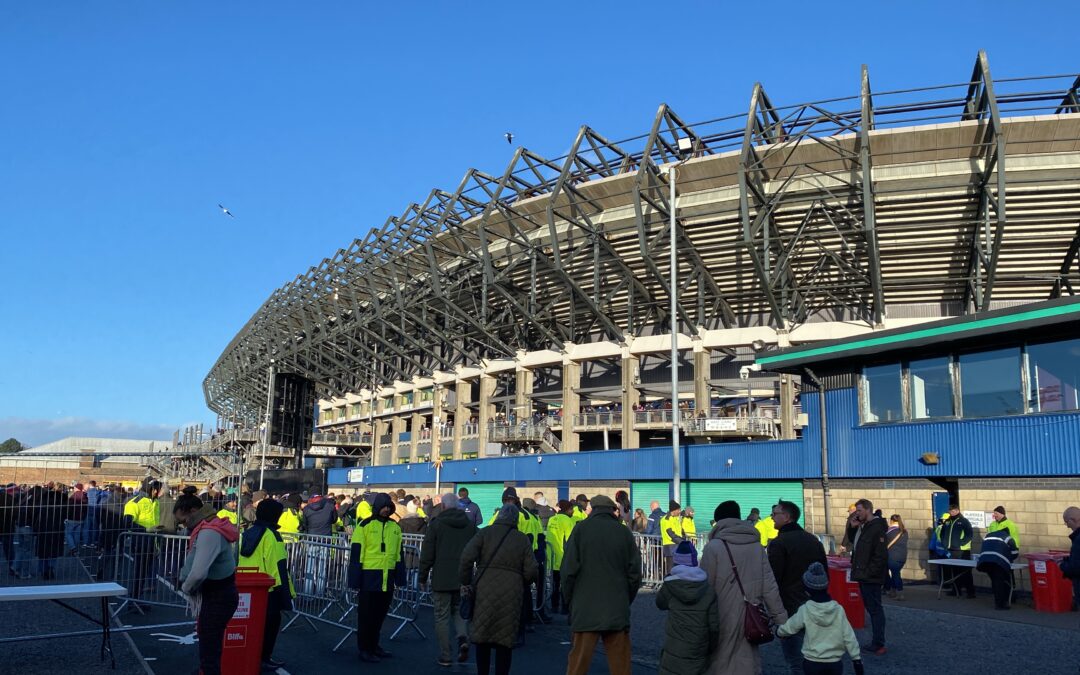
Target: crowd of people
{"x": 748, "y": 581}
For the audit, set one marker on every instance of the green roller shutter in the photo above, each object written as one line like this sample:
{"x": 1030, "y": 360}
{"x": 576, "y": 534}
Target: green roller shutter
{"x": 705, "y": 495}
{"x": 643, "y": 492}
{"x": 488, "y": 496}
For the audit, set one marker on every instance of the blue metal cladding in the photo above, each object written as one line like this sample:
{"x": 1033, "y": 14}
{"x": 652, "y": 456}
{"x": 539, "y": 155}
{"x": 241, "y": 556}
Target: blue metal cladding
{"x": 1022, "y": 445}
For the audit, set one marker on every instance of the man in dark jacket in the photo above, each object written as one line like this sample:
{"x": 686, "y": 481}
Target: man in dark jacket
{"x": 956, "y": 535}
{"x": 870, "y": 567}
{"x": 320, "y": 514}
{"x": 999, "y": 551}
{"x": 440, "y": 556}
{"x": 655, "y": 514}
{"x": 790, "y": 554}
{"x": 601, "y": 574}
{"x": 1070, "y": 567}
{"x": 469, "y": 507}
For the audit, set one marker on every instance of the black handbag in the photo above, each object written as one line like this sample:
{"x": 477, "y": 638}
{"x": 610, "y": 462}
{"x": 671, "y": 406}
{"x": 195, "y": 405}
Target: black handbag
{"x": 468, "y": 600}
{"x": 756, "y": 624}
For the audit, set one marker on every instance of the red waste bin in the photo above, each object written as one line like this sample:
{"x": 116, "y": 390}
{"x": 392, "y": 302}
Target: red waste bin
{"x": 845, "y": 591}
{"x": 242, "y": 653}
{"x": 1050, "y": 589}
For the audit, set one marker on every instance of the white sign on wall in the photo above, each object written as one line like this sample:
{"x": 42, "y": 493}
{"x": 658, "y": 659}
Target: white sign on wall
{"x": 723, "y": 424}
{"x": 978, "y": 518}
{"x": 356, "y": 475}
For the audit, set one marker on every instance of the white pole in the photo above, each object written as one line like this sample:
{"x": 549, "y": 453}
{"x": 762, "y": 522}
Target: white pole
{"x": 674, "y": 314}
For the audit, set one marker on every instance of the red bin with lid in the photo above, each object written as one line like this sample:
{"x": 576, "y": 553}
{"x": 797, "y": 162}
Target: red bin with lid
{"x": 242, "y": 652}
{"x": 1050, "y": 590}
{"x": 845, "y": 591}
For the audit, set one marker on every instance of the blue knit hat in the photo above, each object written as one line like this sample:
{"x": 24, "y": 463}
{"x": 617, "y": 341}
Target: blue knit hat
{"x": 685, "y": 554}
{"x": 815, "y": 578}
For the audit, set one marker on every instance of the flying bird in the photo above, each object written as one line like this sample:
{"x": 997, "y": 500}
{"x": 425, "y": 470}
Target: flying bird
{"x": 225, "y": 211}
{"x": 509, "y": 137}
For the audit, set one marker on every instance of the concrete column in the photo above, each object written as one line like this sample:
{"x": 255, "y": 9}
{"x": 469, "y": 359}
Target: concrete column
{"x": 487, "y": 410}
{"x": 571, "y": 401}
{"x": 702, "y": 367}
{"x": 523, "y": 387}
{"x": 461, "y": 413}
{"x": 787, "y": 406}
{"x": 396, "y": 428}
{"x": 631, "y": 396}
{"x": 380, "y": 431}
{"x": 414, "y": 437}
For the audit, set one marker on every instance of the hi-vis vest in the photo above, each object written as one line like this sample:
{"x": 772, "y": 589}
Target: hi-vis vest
{"x": 527, "y": 525}
{"x": 144, "y": 511}
{"x": 288, "y": 525}
{"x": 558, "y": 531}
{"x": 227, "y": 515}
{"x": 673, "y": 523}
{"x": 380, "y": 546}
{"x": 266, "y": 556}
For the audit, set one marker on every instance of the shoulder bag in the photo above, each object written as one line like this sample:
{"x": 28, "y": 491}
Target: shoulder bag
{"x": 468, "y": 600}
{"x": 756, "y": 622}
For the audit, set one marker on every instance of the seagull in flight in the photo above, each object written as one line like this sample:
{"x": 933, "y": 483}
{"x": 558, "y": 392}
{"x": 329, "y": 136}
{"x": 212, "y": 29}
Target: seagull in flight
{"x": 226, "y": 211}
{"x": 509, "y": 137}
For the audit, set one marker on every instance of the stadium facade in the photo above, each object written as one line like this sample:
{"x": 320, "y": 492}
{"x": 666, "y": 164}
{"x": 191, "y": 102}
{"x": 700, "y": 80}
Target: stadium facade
{"x": 873, "y": 300}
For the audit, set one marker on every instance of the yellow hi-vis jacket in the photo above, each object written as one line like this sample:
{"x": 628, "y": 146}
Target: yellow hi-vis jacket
{"x": 558, "y": 531}
{"x": 528, "y": 525}
{"x": 767, "y": 529}
{"x": 579, "y": 513}
{"x": 689, "y": 529}
{"x": 228, "y": 515}
{"x": 379, "y": 547}
{"x": 1005, "y": 524}
{"x": 289, "y": 524}
{"x": 145, "y": 512}
{"x": 267, "y": 556}
{"x": 673, "y": 523}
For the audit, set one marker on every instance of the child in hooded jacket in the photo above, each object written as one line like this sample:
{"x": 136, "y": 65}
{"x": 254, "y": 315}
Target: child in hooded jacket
{"x": 828, "y": 633}
{"x": 692, "y": 631}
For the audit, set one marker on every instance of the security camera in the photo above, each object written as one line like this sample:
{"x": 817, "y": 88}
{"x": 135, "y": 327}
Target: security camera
{"x": 730, "y": 461}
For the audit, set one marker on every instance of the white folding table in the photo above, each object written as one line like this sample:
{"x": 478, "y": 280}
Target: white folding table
{"x": 972, "y": 563}
{"x": 58, "y": 594}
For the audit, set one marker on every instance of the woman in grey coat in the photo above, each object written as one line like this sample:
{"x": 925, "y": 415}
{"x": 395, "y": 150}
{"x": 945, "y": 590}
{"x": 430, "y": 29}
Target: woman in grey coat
{"x": 734, "y": 655}
{"x": 504, "y": 566}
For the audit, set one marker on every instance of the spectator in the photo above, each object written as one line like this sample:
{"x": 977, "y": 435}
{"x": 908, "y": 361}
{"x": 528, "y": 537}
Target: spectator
{"x": 999, "y": 551}
{"x": 262, "y": 547}
{"x": 640, "y": 523}
{"x": 319, "y": 516}
{"x": 870, "y": 567}
{"x": 956, "y": 536}
{"x": 444, "y": 542}
{"x": 1070, "y": 566}
{"x": 374, "y": 566}
{"x": 849, "y": 529}
{"x": 622, "y": 501}
{"x": 671, "y": 532}
{"x": 655, "y": 515}
{"x": 827, "y": 633}
{"x": 411, "y": 522}
{"x": 7, "y": 527}
{"x": 504, "y": 568}
{"x": 470, "y": 509}
{"x": 49, "y": 510}
{"x": 896, "y": 540}
{"x": 754, "y": 517}
{"x": 791, "y": 553}
{"x": 559, "y": 528}
{"x": 692, "y": 630}
{"x": 208, "y": 575}
{"x": 1002, "y": 522}
{"x": 601, "y": 573}
{"x": 75, "y": 519}
{"x": 734, "y": 542}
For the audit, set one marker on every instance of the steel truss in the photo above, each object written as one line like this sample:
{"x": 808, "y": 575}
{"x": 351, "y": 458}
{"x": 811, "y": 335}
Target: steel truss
{"x": 528, "y": 259}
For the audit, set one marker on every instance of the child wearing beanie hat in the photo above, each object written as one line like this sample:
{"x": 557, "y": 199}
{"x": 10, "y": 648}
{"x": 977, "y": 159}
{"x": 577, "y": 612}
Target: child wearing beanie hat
{"x": 828, "y": 633}
{"x": 692, "y": 630}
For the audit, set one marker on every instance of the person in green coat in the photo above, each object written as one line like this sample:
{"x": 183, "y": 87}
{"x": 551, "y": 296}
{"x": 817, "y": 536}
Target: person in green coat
{"x": 692, "y": 630}
{"x": 559, "y": 528}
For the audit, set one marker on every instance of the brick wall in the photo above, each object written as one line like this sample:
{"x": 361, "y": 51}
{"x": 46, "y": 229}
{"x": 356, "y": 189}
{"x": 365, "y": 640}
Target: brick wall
{"x": 66, "y": 475}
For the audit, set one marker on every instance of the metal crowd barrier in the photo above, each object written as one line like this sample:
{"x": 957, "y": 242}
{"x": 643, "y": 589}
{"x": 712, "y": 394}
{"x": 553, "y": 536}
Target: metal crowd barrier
{"x": 652, "y": 560}
{"x": 318, "y": 566}
{"x": 148, "y": 565}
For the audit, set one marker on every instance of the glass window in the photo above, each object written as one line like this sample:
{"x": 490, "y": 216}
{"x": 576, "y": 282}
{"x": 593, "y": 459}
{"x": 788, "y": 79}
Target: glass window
{"x": 881, "y": 393}
{"x": 930, "y": 392}
{"x": 1054, "y": 376}
{"x": 990, "y": 383}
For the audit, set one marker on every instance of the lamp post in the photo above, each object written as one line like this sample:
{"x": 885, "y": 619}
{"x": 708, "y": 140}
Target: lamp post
{"x": 686, "y": 146}
{"x": 269, "y": 417}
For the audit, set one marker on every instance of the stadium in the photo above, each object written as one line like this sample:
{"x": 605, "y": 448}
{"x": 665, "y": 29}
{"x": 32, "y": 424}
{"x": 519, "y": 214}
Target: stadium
{"x": 854, "y": 278}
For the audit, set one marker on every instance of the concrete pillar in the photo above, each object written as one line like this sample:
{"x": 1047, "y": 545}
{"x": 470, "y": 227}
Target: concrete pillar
{"x": 461, "y": 413}
{"x": 396, "y": 429}
{"x": 414, "y": 437}
{"x": 702, "y": 368}
{"x": 487, "y": 410}
{"x": 631, "y": 397}
{"x": 787, "y": 406}
{"x": 376, "y": 446}
{"x": 571, "y": 402}
{"x": 523, "y": 386}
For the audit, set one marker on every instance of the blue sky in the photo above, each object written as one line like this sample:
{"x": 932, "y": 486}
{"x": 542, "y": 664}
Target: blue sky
{"x": 123, "y": 125}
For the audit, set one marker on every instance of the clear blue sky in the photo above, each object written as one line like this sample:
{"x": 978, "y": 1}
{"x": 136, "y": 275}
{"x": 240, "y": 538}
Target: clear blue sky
{"x": 123, "y": 125}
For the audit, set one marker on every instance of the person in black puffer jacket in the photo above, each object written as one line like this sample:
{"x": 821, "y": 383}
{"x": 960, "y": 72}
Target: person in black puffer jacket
{"x": 692, "y": 630}
{"x": 319, "y": 516}
{"x": 870, "y": 567}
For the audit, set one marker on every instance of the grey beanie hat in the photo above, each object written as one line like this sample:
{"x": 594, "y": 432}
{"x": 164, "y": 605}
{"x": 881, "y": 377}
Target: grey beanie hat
{"x": 815, "y": 577}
